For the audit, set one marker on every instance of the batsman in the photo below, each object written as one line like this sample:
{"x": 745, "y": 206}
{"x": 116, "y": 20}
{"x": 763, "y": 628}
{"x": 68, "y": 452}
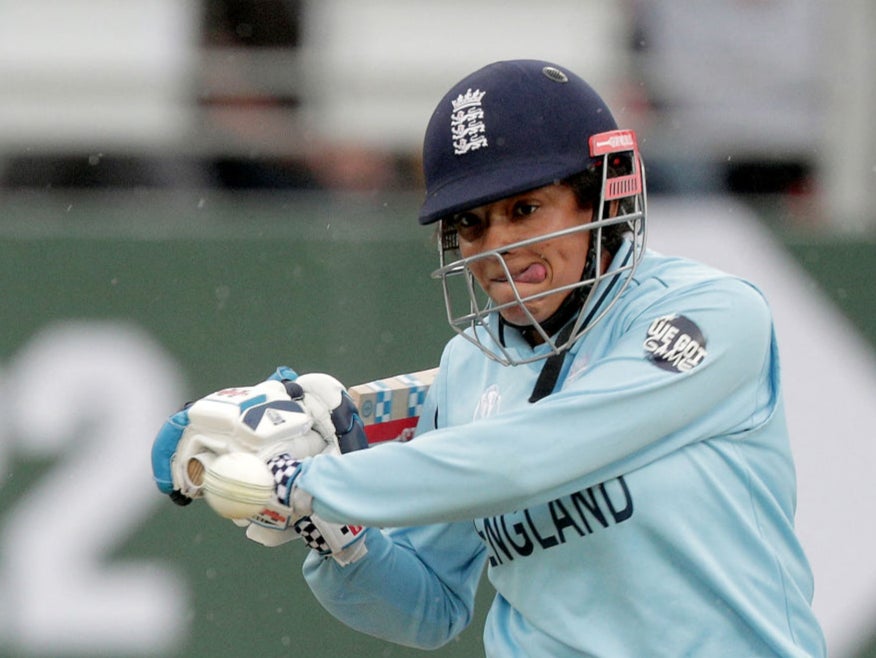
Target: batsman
{"x": 605, "y": 435}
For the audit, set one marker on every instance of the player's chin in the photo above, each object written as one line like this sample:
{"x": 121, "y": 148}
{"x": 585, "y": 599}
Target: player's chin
{"x": 522, "y": 315}
{"x": 517, "y": 314}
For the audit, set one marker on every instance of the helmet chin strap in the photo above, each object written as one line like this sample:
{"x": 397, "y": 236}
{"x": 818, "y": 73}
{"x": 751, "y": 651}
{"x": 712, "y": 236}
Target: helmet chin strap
{"x": 550, "y": 371}
{"x": 561, "y": 323}
{"x": 568, "y": 309}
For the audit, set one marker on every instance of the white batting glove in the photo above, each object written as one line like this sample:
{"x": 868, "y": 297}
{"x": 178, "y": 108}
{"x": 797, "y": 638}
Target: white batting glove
{"x": 262, "y": 420}
{"x": 334, "y": 413}
{"x": 345, "y": 544}
{"x": 281, "y": 421}
{"x": 289, "y": 516}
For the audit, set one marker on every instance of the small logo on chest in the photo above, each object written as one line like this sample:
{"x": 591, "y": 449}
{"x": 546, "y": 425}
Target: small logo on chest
{"x": 489, "y": 403}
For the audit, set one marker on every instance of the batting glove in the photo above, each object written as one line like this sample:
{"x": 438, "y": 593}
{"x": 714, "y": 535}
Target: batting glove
{"x": 283, "y": 416}
{"x": 289, "y": 516}
{"x": 345, "y": 544}
{"x": 333, "y": 412}
{"x": 164, "y": 449}
{"x": 262, "y": 420}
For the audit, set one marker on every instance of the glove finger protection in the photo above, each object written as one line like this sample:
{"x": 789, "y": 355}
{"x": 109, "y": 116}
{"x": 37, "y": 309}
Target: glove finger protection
{"x": 334, "y": 412}
{"x": 164, "y": 447}
{"x": 262, "y": 420}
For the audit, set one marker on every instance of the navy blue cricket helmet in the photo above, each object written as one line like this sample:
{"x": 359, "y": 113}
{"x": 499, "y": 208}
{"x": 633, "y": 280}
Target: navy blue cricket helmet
{"x": 508, "y": 127}
{"x": 515, "y": 126}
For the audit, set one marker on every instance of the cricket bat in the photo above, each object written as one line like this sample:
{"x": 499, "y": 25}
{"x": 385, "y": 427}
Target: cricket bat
{"x": 390, "y": 407}
{"x": 236, "y": 485}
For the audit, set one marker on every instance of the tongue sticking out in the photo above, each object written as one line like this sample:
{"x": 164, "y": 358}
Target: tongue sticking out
{"x": 535, "y": 273}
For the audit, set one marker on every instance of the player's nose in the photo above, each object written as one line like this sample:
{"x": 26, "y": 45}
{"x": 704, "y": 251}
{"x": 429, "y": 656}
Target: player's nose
{"x": 499, "y": 234}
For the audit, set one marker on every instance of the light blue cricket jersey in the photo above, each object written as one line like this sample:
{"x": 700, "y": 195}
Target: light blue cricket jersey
{"x": 645, "y": 508}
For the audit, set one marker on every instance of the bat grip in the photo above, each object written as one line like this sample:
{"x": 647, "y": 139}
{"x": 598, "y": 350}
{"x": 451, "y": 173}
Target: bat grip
{"x": 196, "y": 467}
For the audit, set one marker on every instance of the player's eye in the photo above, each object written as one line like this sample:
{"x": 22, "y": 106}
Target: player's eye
{"x": 524, "y": 208}
{"x": 464, "y": 220}
{"x": 468, "y": 225}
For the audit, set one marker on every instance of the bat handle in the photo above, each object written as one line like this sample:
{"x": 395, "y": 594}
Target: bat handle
{"x": 196, "y": 467}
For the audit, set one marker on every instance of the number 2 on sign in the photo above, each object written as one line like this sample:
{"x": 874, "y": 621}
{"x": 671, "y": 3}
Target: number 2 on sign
{"x": 87, "y": 396}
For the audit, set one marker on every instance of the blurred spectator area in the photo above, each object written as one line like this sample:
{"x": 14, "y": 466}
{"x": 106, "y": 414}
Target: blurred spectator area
{"x": 762, "y": 97}
{"x": 735, "y": 91}
{"x": 88, "y": 82}
{"x": 258, "y": 93}
{"x": 740, "y": 95}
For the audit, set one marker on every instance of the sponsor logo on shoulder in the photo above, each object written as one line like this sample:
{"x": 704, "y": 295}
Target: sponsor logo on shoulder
{"x": 675, "y": 343}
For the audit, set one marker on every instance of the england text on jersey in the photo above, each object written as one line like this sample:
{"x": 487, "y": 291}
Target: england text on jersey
{"x": 578, "y": 515}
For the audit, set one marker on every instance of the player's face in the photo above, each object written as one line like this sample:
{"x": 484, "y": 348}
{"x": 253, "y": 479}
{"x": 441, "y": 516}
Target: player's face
{"x": 536, "y": 268}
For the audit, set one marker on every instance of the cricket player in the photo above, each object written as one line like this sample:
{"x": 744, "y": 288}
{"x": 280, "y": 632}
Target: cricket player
{"x": 606, "y": 433}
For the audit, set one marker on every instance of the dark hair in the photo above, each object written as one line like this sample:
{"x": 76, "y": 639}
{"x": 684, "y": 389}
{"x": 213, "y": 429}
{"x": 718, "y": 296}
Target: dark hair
{"x": 587, "y": 187}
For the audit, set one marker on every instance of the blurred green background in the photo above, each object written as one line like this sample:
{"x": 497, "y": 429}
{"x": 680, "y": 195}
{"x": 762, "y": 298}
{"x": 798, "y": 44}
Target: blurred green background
{"x": 193, "y": 192}
{"x": 227, "y": 288}
{"x": 230, "y": 291}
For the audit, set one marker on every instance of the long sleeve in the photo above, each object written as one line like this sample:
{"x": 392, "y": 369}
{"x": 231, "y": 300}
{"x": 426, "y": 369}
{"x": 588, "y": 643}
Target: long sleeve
{"x": 415, "y": 586}
{"x": 613, "y": 416}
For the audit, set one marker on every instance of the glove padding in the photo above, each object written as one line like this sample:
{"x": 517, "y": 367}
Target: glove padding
{"x": 283, "y": 416}
{"x": 327, "y": 402}
{"x": 263, "y": 420}
{"x": 333, "y": 410}
{"x": 289, "y": 516}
